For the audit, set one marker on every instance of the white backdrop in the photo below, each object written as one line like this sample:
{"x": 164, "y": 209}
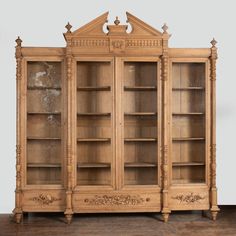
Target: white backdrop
{"x": 191, "y": 23}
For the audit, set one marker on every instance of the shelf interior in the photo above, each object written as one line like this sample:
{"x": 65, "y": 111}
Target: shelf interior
{"x": 44, "y": 122}
{"x": 94, "y": 122}
{"x": 188, "y": 123}
{"x": 140, "y": 123}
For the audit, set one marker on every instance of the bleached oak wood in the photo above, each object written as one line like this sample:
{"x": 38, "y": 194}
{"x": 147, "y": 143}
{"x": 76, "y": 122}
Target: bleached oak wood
{"x": 115, "y": 122}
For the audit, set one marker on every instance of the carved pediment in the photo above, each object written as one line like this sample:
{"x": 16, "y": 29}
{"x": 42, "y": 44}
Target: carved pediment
{"x": 93, "y": 28}
{"x": 117, "y": 40}
{"x": 141, "y": 28}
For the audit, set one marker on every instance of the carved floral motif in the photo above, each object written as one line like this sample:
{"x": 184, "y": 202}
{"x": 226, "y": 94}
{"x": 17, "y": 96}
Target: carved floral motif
{"x": 44, "y": 199}
{"x": 189, "y": 198}
{"x": 115, "y": 200}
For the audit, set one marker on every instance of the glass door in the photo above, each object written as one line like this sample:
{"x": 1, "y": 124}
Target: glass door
{"x": 44, "y": 133}
{"x": 188, "y": 123}
{"x": 140, "y": 122}
{"x": 95, "y": 122}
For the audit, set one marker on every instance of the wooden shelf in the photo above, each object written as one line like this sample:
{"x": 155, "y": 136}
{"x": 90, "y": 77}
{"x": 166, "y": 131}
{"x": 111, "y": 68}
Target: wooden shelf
{"x": 42, "y": 88}
{"x": 140, "y": 113}
{"x": 187, "y": 113}
{"x": 94, "y": 88}
{"x": 43, "y": 165}
{"x": 189, "y": 88}
{"x": 43, "y": 113}
{"x": 140, "y": 88}
{"x": 188, "y": 139}
{"x": 140, "y": 164}
{"x": 42, "y": 138}
{"x": 187, "y": 181}
{"x": 140, "y": 139}
{"x": 41, "y": 182}
{"x": 176, "y": 164}
{"x": 93, "y": 113}
{"x": 93, "y": 165}
{"x": 93, "y": 139}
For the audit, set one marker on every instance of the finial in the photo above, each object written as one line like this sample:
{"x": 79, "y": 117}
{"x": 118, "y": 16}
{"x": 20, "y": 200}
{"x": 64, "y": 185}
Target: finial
{"x": 165, "y": 28}
{"x": 18, "y": 41}
{"x": 117, "y": 22}
{"x": 213, "y": 42}
{"x": 68, "y": 27}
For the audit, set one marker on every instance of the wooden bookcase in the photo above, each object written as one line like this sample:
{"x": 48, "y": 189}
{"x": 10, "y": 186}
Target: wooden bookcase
{"x": 115, "y": 122}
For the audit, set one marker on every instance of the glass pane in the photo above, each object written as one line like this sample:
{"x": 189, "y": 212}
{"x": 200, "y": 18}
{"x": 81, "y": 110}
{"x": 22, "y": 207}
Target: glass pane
{"x": 188, "y": 123}
{"x": 94, "y": 123}
{"x": 44, "y": 123}
{"x": 140, "y": 123}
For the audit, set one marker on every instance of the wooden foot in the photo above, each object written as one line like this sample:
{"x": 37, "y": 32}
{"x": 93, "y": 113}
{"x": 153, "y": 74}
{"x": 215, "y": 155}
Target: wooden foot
{"x": 214, "y": 215}
{"x": 18, "y": 217}
{"x": 203, "y": 213}
{"x": 68, "y": 218}
{"x": 165, "y": 217}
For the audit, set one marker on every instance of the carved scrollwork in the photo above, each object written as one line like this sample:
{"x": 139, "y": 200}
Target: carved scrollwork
{"x": 116, "y": 200}
{"x": 189, "y": 198}
{"x": 44, "y": 199}
{"x": 117, "y": 44}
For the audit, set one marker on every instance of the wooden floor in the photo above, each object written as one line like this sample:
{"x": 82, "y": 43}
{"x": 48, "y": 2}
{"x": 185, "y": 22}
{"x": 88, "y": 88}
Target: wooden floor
{"x": 180, "y": 223}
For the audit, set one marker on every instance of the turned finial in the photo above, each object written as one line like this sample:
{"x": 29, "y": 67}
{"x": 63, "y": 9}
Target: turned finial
{"x": 165, "y": 28}
{"x": 18, "y": 42}
{"x": 68, "y": 27}
{"x": 213, "y": 42}
{"x": 117, "y": 22}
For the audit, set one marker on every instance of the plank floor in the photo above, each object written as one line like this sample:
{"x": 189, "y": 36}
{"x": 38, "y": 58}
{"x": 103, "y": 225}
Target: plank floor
{"x": 139, "y": 224}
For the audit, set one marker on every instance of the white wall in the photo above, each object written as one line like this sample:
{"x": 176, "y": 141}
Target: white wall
{"x": 191, "y": 23}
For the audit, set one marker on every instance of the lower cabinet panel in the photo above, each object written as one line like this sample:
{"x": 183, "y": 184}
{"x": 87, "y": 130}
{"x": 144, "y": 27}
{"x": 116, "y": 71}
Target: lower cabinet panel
{"x": 117, "y": 201}
{"x": 189, "y": 198}
{"x": 43, "y": 200}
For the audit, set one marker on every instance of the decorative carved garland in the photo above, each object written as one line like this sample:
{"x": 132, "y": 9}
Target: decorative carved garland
{"x": 189, "y": 198}
{"x": 43, "y": 199}
{"x": 115, "y": 200}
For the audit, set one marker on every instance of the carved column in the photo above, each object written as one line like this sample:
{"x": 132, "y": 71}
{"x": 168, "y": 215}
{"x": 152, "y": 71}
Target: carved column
{"x": 69, "y": 210}
{"x": 214, "y": 208}
{"x": 165, "y": 123}
{"x": 18, "y": 210}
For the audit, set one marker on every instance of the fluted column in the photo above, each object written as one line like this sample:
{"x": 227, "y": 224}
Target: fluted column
{"x": 165, "y": 123}
{"x": 69, "y": 210}
{"x": 213, "y": 191}
{"x": 18, "y": 209}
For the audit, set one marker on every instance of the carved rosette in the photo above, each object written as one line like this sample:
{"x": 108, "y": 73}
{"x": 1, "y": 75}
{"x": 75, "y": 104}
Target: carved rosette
{"x": 189, "y": 198}
{"x": 117, "y": 45}
{"x": 45, "y": 199}
{"x": 116, "y": 200}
